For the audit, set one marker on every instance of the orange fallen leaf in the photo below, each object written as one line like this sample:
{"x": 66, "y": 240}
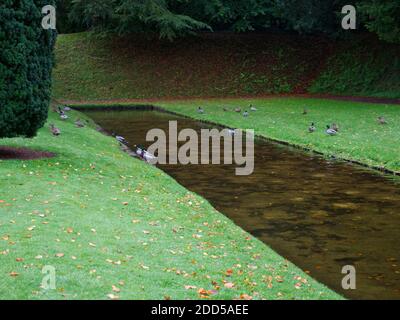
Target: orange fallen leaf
{"x": 116, "y": 289}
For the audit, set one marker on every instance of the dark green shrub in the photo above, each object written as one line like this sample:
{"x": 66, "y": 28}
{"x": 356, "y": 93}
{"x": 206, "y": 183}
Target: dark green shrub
{"x": 26, "y": 61}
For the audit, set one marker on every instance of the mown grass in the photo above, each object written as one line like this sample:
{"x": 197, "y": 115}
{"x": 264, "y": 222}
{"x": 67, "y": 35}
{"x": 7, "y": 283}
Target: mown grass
{"x": 361, "y": 137}
{"x": 103, "y": 219}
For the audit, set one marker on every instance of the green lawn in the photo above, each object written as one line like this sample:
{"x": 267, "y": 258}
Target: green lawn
{"x": 361, "y": 137}
{"x": 103, "y": 219}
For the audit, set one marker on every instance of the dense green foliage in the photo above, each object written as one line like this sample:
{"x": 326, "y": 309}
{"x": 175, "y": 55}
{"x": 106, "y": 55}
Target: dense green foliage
{"x": 173, "y": 18}
{"x": 26, "y": 62}
{"x": 364, "y": 67}
{"x": 110, "y": 224}
{"x": 383, "y": 18}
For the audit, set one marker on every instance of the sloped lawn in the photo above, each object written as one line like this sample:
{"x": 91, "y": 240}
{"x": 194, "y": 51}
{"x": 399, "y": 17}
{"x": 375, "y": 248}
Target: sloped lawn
{"x": 114, "y": 227}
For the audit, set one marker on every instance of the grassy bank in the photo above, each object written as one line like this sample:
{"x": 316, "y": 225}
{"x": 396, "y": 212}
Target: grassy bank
{"x": 114, "y": 227}
{"x": 364, "y": 67}
{"x": 361, "y": 137}
{"x": 220, "y": 65}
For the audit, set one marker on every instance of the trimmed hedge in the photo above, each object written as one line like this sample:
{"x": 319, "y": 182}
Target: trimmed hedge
{"x": 26, "y": 61}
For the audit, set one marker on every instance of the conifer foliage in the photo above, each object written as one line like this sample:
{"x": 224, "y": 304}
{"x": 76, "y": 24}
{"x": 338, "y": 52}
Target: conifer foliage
{"x": 26, "y": 61}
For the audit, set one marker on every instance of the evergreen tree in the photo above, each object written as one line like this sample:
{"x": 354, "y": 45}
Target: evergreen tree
{"x": 26, "y": 61}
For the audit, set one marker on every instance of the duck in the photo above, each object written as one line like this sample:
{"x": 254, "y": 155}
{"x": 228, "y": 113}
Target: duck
{"x": 64, "y": 116}
{"x": 238, "y": 110}
{"x": 330, "y": 131}
{"x": 79, "y": 123}
{"x": 200, "y": 110}
{"x": 312, "y": 128}
{"x": 145, "y": 155}
{"x": 120, "y": 139}
{"x": 54, "y": 130}
{"x": 66, "y": 108}
{"x": 232, "y": 132}
{"x": 335, "y": 127}
{"x": 245, "y": 114}
{"x": 382, "y": 120}
{"x": 252, "y": 108}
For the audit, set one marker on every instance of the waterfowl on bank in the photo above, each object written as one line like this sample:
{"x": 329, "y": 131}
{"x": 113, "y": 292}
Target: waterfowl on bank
{"x": 382, "y": 120}
{"x": 143, "y": 154}
{"x": 335, "y": 127}
{"x": 120, "y": 139}
{"x": 79, "y": 123}
{"x": 330, "y": 131}
{"x": 64, "y": 116}
{"x": 312, "y": 128}
{"x": 232, "y": 132}
{"x": 200, "y": 110}
{"x": 238, "y": 110}
{"x": 54, "y": 130}
{"x": 252, "y": 108}
{"x": 245, "y": 114}
{"x": 66, "y": 108}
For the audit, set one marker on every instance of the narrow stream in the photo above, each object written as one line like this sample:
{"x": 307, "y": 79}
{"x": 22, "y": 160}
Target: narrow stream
{"x": 321, "y": 215}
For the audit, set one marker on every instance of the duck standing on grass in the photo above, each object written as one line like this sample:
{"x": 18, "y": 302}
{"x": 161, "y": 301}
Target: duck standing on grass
{"x": 330, "y": 131}
{"x": 200, "y": 110}
{"x": 253, "y": 108}
{"x": 382, "y": 120}
{"x": 245, "y": 114}
{"x": 54, "y": 130}
{"x": 238, "y": 110}
{"x": 63, "y": 115}
{"x": 312, "y": 128}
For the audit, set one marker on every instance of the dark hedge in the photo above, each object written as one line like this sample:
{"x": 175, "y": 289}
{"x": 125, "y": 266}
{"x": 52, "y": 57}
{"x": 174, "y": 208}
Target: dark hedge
{"x": 26, "y": 61}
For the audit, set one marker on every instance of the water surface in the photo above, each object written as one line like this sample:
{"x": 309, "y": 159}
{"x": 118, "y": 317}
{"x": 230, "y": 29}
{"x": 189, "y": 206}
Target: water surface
{"x": 319, "y": 214}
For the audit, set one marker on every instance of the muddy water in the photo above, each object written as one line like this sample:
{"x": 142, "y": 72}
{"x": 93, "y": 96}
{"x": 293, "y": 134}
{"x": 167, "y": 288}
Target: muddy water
{"x": 320, "y": 215}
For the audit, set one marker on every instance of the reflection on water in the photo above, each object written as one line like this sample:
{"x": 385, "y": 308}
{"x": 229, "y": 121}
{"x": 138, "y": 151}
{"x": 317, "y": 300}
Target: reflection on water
{"x": 321, "y": 215}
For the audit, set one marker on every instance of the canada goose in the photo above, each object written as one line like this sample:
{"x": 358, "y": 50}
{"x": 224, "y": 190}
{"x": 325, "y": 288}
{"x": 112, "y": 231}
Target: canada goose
{"x": 312, "y": 128}
{"x": 245, "y": 114}
{"x": 200, "y": 110}
{"x": 252, "y": 108}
